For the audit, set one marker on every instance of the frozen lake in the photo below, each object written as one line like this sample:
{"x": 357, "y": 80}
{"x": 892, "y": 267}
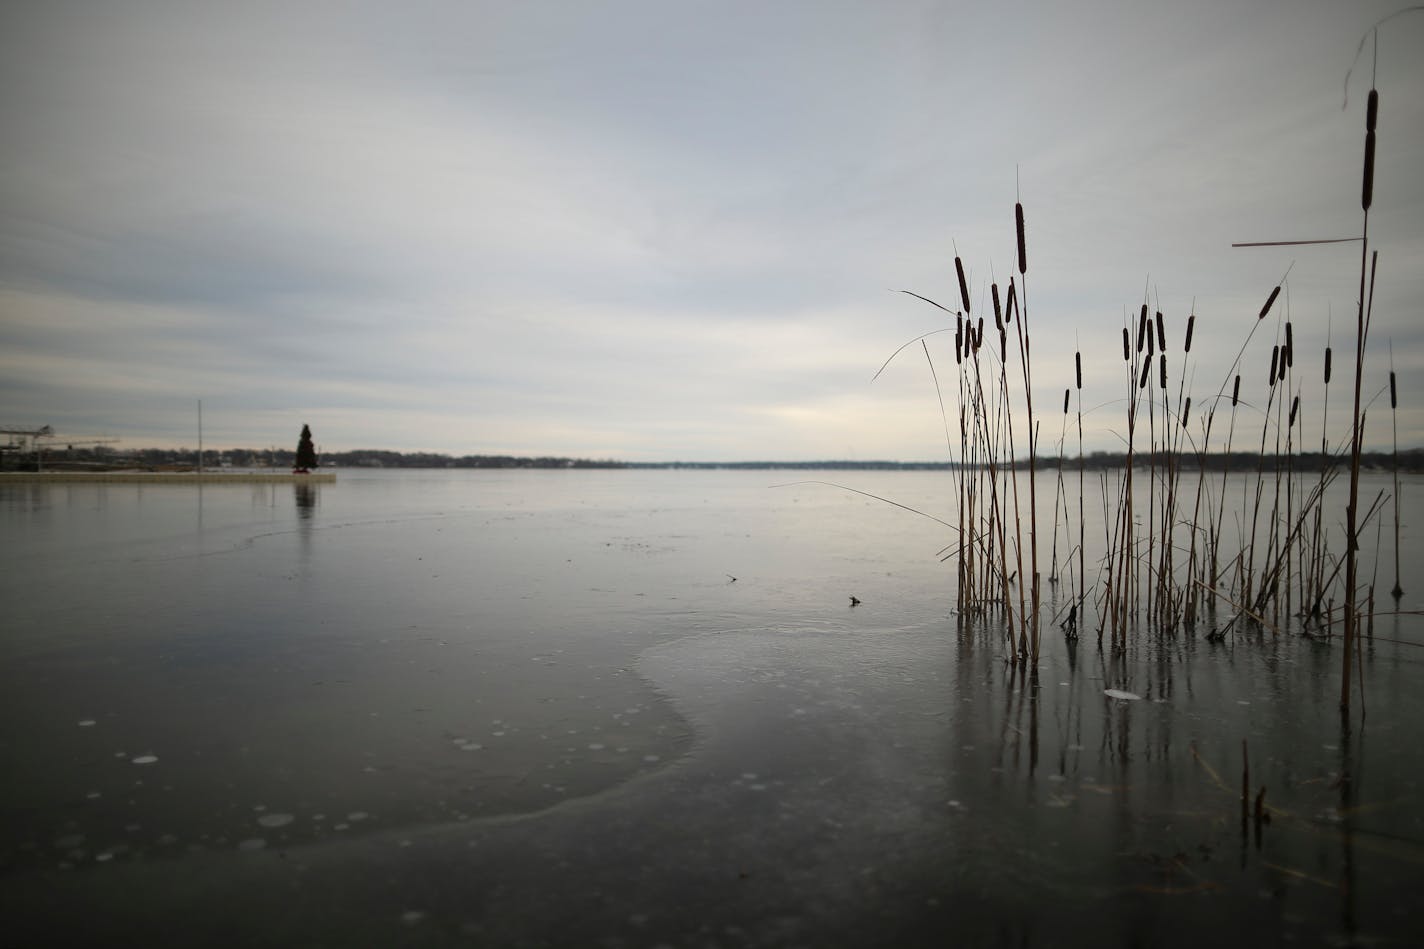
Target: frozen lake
{"x": 637, "y": 708}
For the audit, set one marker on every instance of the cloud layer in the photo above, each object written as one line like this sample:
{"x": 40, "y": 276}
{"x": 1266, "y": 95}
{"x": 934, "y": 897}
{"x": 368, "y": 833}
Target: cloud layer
{"x": 668, "y": 231}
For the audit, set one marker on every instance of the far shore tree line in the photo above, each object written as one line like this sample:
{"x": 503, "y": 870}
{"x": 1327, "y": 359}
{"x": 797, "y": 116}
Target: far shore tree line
{"x": 59, "y": 456}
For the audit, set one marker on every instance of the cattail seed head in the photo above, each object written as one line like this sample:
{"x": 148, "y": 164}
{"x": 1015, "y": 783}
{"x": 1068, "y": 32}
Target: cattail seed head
{"x": 1011, "y": 304}
{"x": 1019, "y": 227}
{"x": 1163, "y": 364}
{"x": 1146, "y": 371}
{"x": 963, "y": 286}
{"x": 1141, "y": 327}
{"x": 1186, "y": 411}
{"x": 1393, "y": 395}
{"x": 1236, "y": 390}
{"x": 1371, "y": 116}
{"x": 1269, "y": 300}
{"x": 1191, "y": 324}
{"x": 1290, "y": 345}
{"x": 1161, "y": 333}
{"x": 1126, "y": 347}
{"x": 1295, "y": 407}
{"x": 1275, "y": 358}
{"x": 1150, "y": 351}
{"x": 998, "y": 312}
{"x": 1066, "y": 394}
{"x": 1078, "y": 368}
{"x": 1367, "y": 190}
{"x": 1327, "y": 365}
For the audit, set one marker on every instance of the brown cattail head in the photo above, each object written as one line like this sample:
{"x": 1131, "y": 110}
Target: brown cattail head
{"x": 1011, "y": 304}
{"x": 1146, "y": 371}
{"x": 1269, "y": 300}
{"x": 1191, "y": 324}
{"x": 998, "y": 312}
{"x": 1371, "y": 116}
{"x": 1236, "y": 390}
{"x": 1367, "y": 190}
{"x": 1019, "y": 227}
{"x": 1141, "y": 328}
{"x": 1150, "y": 351}
{"x": 963, "y": 286}
{"x": 1163, "y": 364}
{"x": 1295, "y": 407}
{"x": 1078, "y": 368}
{"x": 1186, "y": 411}
{"x": 1066, "y": 394}
{"x": 1275, "y": 358}
{"x": 1393, "y": 395}
{"x": 1003, "y": 345}
{"x": 1327, "y": 365}
{"x": 979, "y": 333}
{"x": 1126, "y": 347}
{"x": 1290, "y": 345}
{"x": 1161, "y": 333}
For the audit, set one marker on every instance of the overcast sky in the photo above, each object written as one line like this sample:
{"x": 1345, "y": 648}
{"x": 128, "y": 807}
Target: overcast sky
{"x": 672, "y": 230}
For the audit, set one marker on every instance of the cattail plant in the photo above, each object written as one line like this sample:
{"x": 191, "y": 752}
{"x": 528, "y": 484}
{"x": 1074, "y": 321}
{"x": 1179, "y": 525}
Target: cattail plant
{"x": 1362, "y": 320}
{"x": 1398, "y": 591}
{"x": 1150, "y": 576}
{"x": 1080, "y": 592}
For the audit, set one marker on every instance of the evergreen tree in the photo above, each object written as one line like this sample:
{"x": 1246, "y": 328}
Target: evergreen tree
{"x": 306, "y": 453}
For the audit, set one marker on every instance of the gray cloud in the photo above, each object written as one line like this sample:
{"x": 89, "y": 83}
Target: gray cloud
{"x": 655, "y": 230}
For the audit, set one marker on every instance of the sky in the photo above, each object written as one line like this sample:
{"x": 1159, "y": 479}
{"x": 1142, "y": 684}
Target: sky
{"x": 676, "y": 230}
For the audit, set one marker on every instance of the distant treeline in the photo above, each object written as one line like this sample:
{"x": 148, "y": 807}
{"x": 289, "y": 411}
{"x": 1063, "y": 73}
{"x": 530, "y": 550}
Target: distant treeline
{"x": 1411, "y": 460}
{"x": 57, "y": 455}
{"x": 61, "y": 456}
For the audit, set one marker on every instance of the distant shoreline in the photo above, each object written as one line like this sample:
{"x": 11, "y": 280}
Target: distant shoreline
{"x": 241, "y": 465}
{"x": 165, "y": 477}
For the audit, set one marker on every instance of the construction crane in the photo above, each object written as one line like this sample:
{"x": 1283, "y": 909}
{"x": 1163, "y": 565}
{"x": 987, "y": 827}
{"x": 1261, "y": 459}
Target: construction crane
{"x": 33, "y": 434}
{"x": 20, "y": 436}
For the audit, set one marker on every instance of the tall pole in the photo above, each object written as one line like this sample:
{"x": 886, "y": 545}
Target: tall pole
{"x": 200, "y": 436}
